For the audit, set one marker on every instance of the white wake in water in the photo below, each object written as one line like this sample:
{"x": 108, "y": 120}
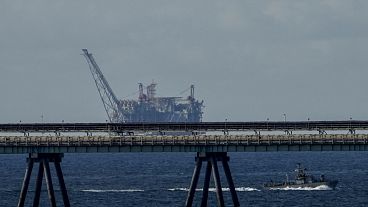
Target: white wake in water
{"x": 246, "y": 189}
{"x": 321, "y": 187}
{"x": 113, "y": 191}
{"x": 240, "y": 189}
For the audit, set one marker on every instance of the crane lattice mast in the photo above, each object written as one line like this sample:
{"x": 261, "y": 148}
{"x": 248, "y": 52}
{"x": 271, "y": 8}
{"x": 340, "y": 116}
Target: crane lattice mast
{"x": 111, "y": 103}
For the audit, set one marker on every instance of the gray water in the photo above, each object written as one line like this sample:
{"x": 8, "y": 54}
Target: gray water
{"x": 162, "y": 179}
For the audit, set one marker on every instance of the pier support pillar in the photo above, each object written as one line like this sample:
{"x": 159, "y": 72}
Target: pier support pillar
{"x": 212, "y": 158}
{"x": 44, "y": 170}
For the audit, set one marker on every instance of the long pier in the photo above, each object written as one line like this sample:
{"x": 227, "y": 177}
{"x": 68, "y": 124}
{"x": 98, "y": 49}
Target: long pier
{"x": 186, "y": 126}
{"x": 47, "y": 142}
{"x": 195, "y": 143}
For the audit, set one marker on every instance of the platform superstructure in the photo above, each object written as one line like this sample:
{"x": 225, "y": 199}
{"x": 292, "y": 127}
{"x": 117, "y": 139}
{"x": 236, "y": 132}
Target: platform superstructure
{"x": 148, "y": 107}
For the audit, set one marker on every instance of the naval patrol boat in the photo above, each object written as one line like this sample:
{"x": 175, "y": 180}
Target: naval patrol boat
{"x": 302, "y": 180}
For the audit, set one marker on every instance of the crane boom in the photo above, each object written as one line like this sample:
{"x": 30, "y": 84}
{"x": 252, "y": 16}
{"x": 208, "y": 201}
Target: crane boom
{"x": 111, "y": 103}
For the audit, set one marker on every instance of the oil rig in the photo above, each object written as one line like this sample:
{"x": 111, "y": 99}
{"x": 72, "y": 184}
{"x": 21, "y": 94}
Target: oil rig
{"x": 148, "y": 107}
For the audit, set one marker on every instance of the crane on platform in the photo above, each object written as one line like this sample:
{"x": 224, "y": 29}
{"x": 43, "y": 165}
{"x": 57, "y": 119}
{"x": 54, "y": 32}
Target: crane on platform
{"x": 111, "y": 103}
{"x": 148, "y": 107}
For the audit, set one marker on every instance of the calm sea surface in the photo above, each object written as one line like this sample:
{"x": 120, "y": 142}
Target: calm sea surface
{"x": 162, "y": 179}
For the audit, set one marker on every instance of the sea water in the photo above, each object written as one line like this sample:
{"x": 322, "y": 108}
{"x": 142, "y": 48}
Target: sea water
{"x": 163, "y": 179}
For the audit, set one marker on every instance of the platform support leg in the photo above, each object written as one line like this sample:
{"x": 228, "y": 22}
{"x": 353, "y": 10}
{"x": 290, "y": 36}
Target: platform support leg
{"x": 50, "y": 187}
{"x": 36, "y": 200}
{"x": 212, "y": 158}
{"x": 230, "y": 181}
{"x": 27, "y": 177}
{"x": 206, "y": 185}
{"x": 44, "y": 169}
{"x": 64, "y": 192}
{"x": 193, "y": 184}
{"x": 216, "y": 177}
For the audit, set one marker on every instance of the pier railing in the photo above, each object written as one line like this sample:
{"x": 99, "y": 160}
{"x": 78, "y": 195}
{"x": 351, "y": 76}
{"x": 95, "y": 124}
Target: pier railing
{"x": 195, "y": 140}
{"x": 186, "y": 126}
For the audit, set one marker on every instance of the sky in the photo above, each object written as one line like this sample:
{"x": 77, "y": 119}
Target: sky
{"x": 250, "y": 60}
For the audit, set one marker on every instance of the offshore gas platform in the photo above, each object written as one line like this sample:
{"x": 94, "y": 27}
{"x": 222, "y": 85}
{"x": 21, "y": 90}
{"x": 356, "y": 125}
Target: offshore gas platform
{"x": 148, "y": 107}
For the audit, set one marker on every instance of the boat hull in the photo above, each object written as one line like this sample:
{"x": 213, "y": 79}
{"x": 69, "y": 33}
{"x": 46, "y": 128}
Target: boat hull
{"x": 330, "y": 184}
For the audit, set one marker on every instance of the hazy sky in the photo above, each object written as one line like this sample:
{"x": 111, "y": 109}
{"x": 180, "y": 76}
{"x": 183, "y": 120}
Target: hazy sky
{"x": 249, "y": 60}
